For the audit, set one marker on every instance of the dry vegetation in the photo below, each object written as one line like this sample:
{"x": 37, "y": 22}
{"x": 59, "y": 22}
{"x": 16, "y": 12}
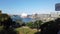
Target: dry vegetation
{"x": 24, "y": 30}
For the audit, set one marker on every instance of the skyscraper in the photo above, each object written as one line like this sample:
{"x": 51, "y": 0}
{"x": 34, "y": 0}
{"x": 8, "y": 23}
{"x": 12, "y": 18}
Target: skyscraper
{"x": 57, "y": 7}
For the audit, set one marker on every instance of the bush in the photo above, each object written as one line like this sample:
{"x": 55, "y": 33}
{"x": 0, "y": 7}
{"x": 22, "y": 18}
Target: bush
{"x": 35, "y": 24}
{"x": 30, "y": 24}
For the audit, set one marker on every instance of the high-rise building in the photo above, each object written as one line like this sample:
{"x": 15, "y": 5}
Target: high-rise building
{"x": 57, "y": 7}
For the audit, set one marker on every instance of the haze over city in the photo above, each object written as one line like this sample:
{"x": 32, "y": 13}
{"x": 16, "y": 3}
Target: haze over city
{"x": 28, "y": 6}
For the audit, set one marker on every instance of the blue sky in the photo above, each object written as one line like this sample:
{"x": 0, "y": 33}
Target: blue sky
{"x": 28, "y": 6}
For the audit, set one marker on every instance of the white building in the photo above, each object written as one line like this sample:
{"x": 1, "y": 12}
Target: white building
{"x": 24, "y": 15}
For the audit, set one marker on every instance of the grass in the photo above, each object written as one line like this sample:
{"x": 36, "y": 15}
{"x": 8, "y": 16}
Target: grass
{"x": 1, "y": 27}
{"x": 25, "y": 30}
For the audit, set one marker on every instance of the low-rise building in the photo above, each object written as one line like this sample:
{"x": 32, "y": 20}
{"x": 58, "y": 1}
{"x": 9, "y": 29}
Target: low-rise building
{"x": 46, "y": 17}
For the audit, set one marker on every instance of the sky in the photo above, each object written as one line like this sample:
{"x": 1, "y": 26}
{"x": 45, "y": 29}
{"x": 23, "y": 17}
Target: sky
{"x": 28, "y": 6}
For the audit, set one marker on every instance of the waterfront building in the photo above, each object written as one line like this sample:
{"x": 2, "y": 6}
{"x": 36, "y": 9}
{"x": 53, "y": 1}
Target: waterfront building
{"x": 46, "y": 17}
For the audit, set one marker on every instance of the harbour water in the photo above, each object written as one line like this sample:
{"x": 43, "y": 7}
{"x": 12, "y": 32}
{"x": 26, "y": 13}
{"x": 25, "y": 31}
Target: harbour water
{"x": 26, "y": 19}
{"x": 16, "y": 17}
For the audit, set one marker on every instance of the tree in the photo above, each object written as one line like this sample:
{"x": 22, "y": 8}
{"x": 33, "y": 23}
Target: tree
{"x": 36, "y": 24}
{"x": 51, "y": 27}
{"x": 30, "y": 24}
{"x": 7, "y": 24}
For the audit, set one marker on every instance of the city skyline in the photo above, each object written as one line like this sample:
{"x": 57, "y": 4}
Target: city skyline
{"x": 28, "y": 6}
